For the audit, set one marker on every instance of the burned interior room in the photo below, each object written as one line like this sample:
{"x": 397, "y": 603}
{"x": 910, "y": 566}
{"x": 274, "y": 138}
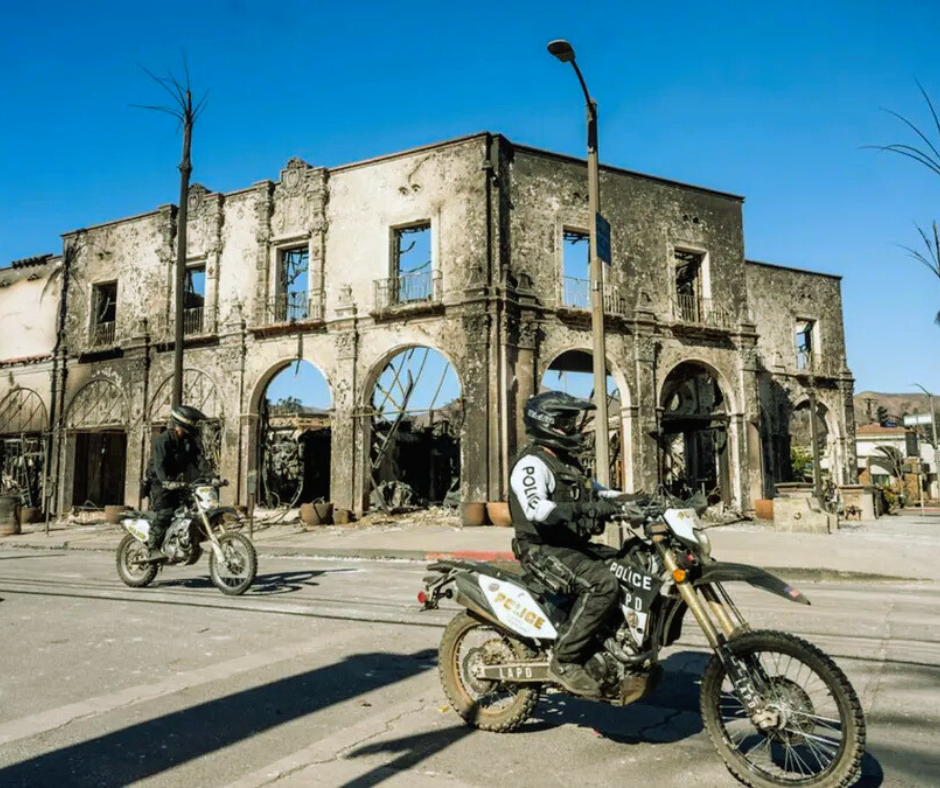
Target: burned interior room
{"x": 417, "y": 416}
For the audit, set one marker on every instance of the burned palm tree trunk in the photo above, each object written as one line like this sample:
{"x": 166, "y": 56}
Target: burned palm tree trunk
{"x": 186, "y": 113}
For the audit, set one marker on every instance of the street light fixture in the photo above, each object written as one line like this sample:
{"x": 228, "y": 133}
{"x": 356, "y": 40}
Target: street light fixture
{"x": 562, "y": 50}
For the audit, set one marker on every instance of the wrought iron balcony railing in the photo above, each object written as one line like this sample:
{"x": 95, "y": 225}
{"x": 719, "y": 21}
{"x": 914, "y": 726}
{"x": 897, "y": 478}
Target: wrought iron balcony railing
{"x": 702, "y": 311}
{"x": 292, "y": 308}
{"x": 196, "y": 321}
{"x": 807, "y": 362}
{"x": 576, "y": 294}
{"x": 417, "y": 288}
{"x": 102, "y": 334}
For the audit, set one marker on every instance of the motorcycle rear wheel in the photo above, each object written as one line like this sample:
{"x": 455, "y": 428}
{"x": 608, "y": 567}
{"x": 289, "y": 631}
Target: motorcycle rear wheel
{"x": 488, "y": 705}
{"x": 237, "y": 571}
{"x": 130, "y": 565}
{"x": 818, "y": 739}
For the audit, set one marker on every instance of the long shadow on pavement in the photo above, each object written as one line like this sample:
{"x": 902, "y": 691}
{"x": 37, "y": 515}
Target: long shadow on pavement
{"x": 263, "y": 585}
{"x": 137, "y": 752}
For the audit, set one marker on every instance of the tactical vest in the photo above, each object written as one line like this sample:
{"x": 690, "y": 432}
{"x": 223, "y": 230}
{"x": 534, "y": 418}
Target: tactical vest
{"x": 571, "y": 484}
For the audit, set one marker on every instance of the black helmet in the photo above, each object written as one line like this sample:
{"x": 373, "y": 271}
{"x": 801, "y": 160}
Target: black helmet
{"x": 186, "y": 418}
{"x": 552, "y": 419}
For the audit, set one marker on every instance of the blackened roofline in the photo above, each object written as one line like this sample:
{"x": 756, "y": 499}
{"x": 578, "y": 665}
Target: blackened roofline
{"x": 795, "y": 270}
{"x": 29, "y": 262}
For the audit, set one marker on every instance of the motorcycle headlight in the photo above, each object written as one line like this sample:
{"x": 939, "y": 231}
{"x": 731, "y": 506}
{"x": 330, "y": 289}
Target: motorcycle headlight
{"x": 704, "y": 541}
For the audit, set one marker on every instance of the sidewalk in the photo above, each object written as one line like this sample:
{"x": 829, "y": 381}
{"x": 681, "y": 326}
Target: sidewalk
{"x": 891, "y": 547}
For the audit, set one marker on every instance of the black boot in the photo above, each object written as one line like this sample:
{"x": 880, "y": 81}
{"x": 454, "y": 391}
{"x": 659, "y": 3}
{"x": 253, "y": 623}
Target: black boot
{"x": 574, "y": 678}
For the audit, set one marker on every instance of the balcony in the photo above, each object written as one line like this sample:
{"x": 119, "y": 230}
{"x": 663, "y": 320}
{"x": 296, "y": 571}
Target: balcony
{"x": 102, "y": 335}
{"x": 806, "y": 362}
{"x": 704, "y": 312}
{"x": 576, "y": 294}
{"x": 292, "y": 308}
{"x": 407, "y": 290}
{"x": 197, "y": 321}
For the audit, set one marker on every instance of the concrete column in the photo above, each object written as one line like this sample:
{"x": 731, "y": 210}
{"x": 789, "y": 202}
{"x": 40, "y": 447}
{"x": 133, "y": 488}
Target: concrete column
{"x": 479, "y": 459}
{"x": 645, "y": 425}
{"x": 349, "y": 441}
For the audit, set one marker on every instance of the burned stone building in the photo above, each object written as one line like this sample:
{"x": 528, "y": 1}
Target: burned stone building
{"x": 711, "y": 358}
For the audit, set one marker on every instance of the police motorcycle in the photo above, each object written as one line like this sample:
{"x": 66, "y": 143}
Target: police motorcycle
{"x": 233, "y": 562}
{"x": 776, "y": 708}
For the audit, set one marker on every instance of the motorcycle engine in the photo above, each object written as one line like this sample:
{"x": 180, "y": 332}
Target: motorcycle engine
{"x": 177, "y": 545}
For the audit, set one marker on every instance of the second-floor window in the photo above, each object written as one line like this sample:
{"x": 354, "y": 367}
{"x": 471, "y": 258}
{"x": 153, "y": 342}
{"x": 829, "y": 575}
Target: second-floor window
{"x": 292, "y": 296}
{"x": 194, "y": 300}
{"x": 104, "y": 313}
{"x": 576, "y": 267}
{"x": 804, "y": 343}
{"x": 412, "y": 277}
{"x": 689, "y": 292}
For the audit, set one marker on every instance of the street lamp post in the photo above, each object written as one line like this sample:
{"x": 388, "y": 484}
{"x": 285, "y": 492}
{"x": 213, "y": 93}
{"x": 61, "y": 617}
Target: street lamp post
{"x": 562, "y": 50}
{"x": 933, "y": 429}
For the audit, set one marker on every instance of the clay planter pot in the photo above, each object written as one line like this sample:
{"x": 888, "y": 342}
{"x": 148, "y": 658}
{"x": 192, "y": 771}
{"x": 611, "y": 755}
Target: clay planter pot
{"x": 309, "y": 515}
{"x": 764, "y": 509}
{"x": 9, "y": 515}
{"x": 498, "y": 512}
{"x": 473, "y": 513}
{"x": 113, "y": 513}
{"x": 30, "y": 514}
{"x": 342, "y": 516}
{"x": 324, "y": 512}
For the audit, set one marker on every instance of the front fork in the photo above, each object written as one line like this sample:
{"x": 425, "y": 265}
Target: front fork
{"x": 719, "y": 621}
{"x": 216, "y": 547}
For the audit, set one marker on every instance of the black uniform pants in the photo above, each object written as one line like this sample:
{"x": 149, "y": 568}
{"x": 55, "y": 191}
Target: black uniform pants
{"x": 164, "y": 503}
{"x": 591, "y": 580}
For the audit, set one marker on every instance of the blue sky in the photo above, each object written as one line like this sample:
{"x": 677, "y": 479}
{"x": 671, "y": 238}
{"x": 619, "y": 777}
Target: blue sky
{"x": 773, "y": 101}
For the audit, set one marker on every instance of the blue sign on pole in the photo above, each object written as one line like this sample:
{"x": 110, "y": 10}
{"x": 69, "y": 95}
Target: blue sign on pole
{"x": 603, "y": 238}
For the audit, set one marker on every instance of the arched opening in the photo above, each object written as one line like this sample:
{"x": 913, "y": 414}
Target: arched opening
{"x": 199, "y": 391}
{"x": 801, "y": 444}
{"x": 294, "y": 437}
{"x": 97, "y": 427}
{"x": 573, "y": 373}
{"x": 22, "y": 456}
{"x": 693, "y": 434}
{"x": 417, "y": 418}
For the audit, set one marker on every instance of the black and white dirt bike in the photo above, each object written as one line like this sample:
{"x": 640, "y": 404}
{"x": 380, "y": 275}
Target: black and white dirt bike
{"x": 778, "y": 710}
{"x": 233, "y": 562}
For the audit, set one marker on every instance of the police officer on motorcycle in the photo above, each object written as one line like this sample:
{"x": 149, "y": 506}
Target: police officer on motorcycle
{"x": 556, "y": 508}
{"x": 177, "y": 457}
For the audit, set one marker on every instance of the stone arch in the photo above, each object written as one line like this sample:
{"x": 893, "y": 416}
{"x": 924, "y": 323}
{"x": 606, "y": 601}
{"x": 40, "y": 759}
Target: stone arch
{"x": 100, "y": 403}
{"x": 414, "y": 436}
{"x": 291, "y": 447}
{"x": 23, "y": 422}
{"x": 97, "y": 421}
{"x": 580, "y": 359}
{"x": 827, "y": 433}
{"x": 22, "y": 411}
{"x": 695, "y": 432}
{"x": 199, "y": 390}
{"x": 727, "y": 389}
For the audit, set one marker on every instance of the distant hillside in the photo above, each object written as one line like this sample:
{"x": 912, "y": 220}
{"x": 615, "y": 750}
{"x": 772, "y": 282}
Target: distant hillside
{"x": 897, "y": 405}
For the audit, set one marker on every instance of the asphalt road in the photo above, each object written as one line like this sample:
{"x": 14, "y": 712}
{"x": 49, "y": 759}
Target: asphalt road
{"x": 325, "y": 674}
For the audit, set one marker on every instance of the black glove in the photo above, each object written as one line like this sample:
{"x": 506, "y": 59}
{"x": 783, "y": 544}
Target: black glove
{"x": 600, "y": 510}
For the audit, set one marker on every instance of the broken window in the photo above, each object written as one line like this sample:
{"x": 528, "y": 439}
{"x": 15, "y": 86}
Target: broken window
{"x": 416, "y": 425}
{"x": 576, "y": 267}
{"x": 291, "y": 301}
{"x": 688, "y": 285}
{"x": 295, "y": 438}
{"x": 194, "y": 299}
{"x": 411, "y": 264}
{"x": 804, "y": 343}
{"x": 104, "y": 313}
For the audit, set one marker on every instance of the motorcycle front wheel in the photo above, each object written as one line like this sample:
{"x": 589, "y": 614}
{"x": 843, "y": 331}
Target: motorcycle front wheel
{"x": 816, "y": 733}
{"x": 238, "y": 567}
{"x": 132, "y": 567}
{"x": 488, "y": 705}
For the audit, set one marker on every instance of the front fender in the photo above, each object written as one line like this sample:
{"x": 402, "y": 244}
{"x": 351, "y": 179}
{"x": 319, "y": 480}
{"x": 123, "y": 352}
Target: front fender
{"x": 721, "y": 572}
{"x": 223, "y": 510}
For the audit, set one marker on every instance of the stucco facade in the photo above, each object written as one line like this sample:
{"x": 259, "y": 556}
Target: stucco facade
{"x": 703, "y": 371}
